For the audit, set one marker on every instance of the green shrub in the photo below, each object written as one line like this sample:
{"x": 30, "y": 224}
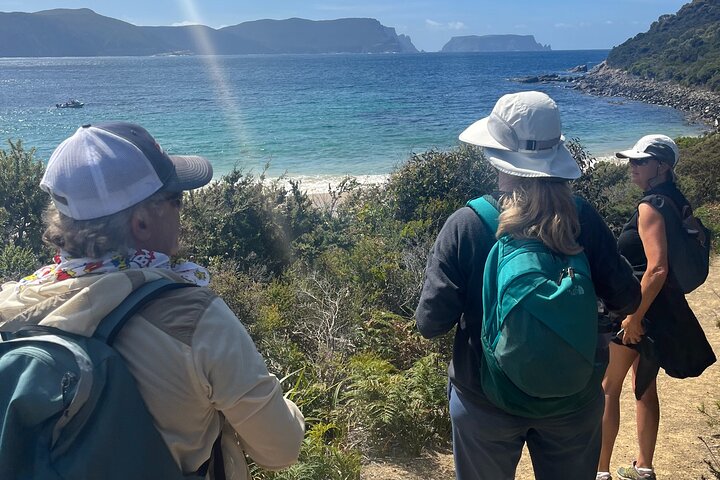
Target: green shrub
{"x": 16, "y": 262}
{"x": 698, "y": 169}
{"x": 239, "y": 218}
{"x": 710, "y": 216}
{"x": 432, "y": 185}
{"x": 324, "y": 227}
{"x": 22, "y": 202}
{"x": 321, "y": 458}
{"x": 397, "y": 412}
{"x": 394, "y": 338}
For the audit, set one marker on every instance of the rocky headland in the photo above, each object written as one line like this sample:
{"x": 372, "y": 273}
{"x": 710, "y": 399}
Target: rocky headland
{"x": 698, "y": 104}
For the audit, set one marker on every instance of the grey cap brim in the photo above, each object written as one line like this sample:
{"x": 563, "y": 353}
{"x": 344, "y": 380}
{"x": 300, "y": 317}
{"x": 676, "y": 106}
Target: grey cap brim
{"x": 633, "y": 154}
{"x": 191, "y": 172}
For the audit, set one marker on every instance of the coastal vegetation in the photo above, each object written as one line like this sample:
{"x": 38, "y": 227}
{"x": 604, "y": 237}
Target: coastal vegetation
{"x": 328, "y": 291}
{"x": 684, "y": 47}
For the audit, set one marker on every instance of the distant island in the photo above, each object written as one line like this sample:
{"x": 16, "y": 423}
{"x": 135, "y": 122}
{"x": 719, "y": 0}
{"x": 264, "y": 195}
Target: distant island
{"x": 494, "y": 43}
{"x": 84, "y": 33}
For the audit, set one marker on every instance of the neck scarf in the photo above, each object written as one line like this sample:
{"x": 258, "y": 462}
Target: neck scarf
{"x": 65, "y": 267}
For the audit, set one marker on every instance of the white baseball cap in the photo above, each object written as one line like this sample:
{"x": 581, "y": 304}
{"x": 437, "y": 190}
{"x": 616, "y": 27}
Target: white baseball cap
{"x": 105, "y": 168}
{"x": 522, "y": 137}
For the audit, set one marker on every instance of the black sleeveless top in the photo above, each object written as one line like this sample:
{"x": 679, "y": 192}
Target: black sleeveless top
{"x": 679, "y": 343}
{"x": 629, "y": 244}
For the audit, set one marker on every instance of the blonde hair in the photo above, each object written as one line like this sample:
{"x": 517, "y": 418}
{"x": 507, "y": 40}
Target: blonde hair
{"x": 542, "y": 209}
{"x": 98, "y": 236}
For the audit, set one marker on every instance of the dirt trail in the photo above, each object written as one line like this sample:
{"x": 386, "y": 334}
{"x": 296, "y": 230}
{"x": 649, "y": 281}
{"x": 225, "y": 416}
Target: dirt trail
{"x": 679, "y": 453}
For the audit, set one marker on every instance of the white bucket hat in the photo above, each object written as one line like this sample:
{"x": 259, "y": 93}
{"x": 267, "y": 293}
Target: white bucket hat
{"x": 522, "y": 137}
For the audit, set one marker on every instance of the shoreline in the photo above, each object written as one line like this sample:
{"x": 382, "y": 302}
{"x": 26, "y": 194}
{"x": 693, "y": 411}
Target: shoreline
{"x": 699, "y": 105}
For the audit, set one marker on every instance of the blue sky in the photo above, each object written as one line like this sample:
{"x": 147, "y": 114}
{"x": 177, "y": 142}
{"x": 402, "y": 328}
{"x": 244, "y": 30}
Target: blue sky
{"x": 564, "y": 24}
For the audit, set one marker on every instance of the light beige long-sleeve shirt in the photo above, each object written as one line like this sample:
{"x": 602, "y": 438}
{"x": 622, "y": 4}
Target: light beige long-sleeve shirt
{"x": 192, "y": 358}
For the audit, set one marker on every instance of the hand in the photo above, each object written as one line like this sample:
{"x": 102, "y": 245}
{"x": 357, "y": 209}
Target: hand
{"x": 633, "y": 331}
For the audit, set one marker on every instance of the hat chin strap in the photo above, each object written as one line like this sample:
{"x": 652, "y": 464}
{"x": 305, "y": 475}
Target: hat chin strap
{"x": 657, "y": 180}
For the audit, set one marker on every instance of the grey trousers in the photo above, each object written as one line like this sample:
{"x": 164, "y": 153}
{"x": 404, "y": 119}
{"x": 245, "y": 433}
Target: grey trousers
{"x": 488, "y": 442}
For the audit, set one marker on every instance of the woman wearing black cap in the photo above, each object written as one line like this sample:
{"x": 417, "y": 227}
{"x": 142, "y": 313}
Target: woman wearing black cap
{"x": 646, "y": 337}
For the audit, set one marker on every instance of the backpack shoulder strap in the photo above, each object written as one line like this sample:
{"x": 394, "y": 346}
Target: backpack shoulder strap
{"x": 659, "y": 201}
{"x": 110, "y": 326}
{"x": 487, "y": 209}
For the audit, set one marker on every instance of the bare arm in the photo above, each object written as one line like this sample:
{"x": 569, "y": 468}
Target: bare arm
{"x": 651, "y": 228}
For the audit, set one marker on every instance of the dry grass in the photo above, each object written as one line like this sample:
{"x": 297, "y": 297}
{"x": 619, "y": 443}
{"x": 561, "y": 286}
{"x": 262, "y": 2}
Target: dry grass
{"x": 679, "y": 454}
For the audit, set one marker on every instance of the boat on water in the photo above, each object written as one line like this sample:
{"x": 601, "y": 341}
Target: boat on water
{"x": 70, "y": 104}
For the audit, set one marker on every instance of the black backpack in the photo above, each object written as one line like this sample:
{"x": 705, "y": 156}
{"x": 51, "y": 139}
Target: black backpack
{"x": 688, "y": 242}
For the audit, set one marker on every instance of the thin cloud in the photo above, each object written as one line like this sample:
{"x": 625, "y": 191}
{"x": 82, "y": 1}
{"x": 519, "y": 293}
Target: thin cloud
{"x": 433, "y": 25}
{"x": 184, "y": 23}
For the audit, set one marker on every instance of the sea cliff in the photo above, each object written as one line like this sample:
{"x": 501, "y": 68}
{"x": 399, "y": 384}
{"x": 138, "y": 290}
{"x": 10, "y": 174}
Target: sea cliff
{"x": 84, "y": 33}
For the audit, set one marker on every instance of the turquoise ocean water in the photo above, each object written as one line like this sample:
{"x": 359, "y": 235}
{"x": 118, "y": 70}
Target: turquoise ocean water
{"x": 314, "y": 117}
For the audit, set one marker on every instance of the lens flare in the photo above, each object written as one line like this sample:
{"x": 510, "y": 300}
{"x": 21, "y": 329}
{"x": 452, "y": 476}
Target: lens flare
{"x": 227, "y": 99}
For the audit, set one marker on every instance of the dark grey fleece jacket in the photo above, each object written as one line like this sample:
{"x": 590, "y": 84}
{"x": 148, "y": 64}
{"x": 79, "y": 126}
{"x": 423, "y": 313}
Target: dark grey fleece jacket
{"x": 452, "y": 290}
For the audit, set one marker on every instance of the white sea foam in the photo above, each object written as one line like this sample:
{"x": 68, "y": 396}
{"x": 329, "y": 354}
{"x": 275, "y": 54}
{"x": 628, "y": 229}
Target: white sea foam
{"x": 318, "y": 184}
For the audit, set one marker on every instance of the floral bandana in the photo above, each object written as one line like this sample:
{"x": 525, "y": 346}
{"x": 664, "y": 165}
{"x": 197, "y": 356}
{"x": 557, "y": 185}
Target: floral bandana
{"x": 67, "y": 267}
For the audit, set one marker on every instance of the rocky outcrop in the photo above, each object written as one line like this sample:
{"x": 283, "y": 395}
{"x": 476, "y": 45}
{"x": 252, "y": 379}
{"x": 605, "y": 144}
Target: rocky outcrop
{"x": 545, "y": 78}
{"x": 494, "y": 43}
{"x": 699, "y": 104}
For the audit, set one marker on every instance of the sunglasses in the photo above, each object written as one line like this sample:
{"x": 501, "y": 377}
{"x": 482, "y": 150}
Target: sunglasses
{"x": 639, "y": 162}
{"x": 174, "y": 199}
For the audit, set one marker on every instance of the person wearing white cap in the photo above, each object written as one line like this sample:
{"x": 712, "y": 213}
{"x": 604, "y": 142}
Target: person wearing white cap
{"x": 115, "y": 222}
{"x": 522, "y": 139}
{"x": 663, "y": 311}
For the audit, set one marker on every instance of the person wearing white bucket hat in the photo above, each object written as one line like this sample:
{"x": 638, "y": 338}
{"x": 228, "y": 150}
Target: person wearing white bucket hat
{"x": 522, "y": 139}
{"x": 664, "y": 321}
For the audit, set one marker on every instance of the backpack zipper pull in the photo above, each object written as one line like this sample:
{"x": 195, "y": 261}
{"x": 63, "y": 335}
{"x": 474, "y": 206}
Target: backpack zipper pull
{"x": 65, "y": 384}
{"x": 569, "y": 271}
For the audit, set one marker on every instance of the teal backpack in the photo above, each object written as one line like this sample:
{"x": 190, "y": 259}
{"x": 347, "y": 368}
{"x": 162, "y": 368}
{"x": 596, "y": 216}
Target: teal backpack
{"x": 540, "y": 328}
{"x": 70, "y": 409}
